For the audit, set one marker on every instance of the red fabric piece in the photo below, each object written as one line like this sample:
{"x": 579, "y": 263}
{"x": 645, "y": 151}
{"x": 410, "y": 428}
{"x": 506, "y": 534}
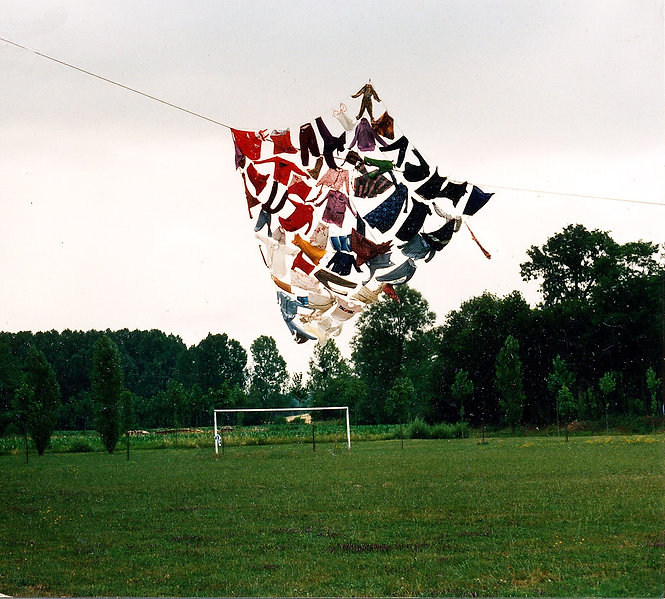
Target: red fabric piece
{"x": 251, "y": 200}
{"x": 282, "y": 141}
{"x": 258, "y": 180}
{"x": 302, "y": 264}
{"x": 283, "y": 169}
{"x": 301, "y": 216}
{"x": 482, "y": 249}
{"x": 248, "y": 142}
{"x": 389, "y": 290}
{"x": 299, "y": 187}
{"x": 365, "y": 248}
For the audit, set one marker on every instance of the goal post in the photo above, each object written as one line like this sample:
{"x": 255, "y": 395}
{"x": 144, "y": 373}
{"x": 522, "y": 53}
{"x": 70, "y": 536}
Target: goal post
{"x": 238, "y": 410}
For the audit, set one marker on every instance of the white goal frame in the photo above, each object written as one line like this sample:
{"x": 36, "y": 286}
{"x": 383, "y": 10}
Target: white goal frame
{"x": 237, "y": 410}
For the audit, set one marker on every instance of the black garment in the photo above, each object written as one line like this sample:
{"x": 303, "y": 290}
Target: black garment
{"x": 454, "y": 192}
{"x": 342, "y": 262}
{"x": 439, "y": 239}
{"x": 308, "y": 143}
{"x": 330, "y": 142}
{"x": 360, "y": 225}
{"x": 416, "y": 172}
{"x": 432, "y": 187}
{"x": 401, "y": 144}
{"x": 476, "y": 201}
{"x": 414, "y": 221}
{"x": 268, "y": 207}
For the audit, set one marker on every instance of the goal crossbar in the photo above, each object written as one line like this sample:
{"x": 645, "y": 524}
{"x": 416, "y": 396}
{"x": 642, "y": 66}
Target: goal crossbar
{"x": 229, "y": 410}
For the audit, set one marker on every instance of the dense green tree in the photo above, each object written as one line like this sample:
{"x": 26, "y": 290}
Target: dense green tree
{"x": 268, "y": 375}
{"x": 40, "y": 378}
{"x": 508, "y": 367}
{"x": 601, "y": 297}
{"x": 325, "y": 366}
{"x": 653, "y": 385}
{"x": 559, "y": 377}
{"x": 297, "y": 390}
{"x": 607, "y": 384}
{"x": 461, "y": 390}
{"x": 24, "y": 410}
{"x": 391, "y": 339}
{"x": 218, "y": 358}
{"x": 470, "y": 339}
{"x": 400, "y": 401}
{"x": 107, "y": 390}
{"x": 566, "y": 406}
{"x": 10, "y": 380}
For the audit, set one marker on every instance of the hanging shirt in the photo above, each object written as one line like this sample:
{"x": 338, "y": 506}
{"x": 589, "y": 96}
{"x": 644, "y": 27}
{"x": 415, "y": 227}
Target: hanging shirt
{"x": 275, "y": 255}
{"x": 248, "y": 142}
{"x": 335, "y": 179}
{"x": 282, "y": 142}
{"x": 345, "y": 310}
{"x": 283, "y": 169}
{"x": 365, "y": 137}
{"x": 336, "y": 204}
{"x": 342, "y": 262}
{"x": 414, "y": 221}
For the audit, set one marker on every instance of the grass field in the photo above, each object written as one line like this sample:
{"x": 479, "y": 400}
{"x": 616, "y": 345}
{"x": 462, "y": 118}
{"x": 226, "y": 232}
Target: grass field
{"x": 521, "y": 517}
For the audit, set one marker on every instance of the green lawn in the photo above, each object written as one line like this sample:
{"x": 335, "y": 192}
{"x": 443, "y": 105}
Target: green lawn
{"x": 523, "y": 517}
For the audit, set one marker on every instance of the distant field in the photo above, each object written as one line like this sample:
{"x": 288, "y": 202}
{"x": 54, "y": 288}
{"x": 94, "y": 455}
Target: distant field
{"x": 521, "y": 517}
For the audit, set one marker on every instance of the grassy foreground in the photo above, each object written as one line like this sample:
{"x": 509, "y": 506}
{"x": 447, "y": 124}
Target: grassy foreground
{"x": 521, "y": 517}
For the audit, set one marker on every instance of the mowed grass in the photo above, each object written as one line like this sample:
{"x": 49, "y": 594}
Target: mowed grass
{"x": 521, "y": 517}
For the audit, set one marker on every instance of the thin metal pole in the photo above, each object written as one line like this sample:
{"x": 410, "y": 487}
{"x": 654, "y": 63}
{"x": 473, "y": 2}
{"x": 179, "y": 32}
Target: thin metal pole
{"x": 216, "y": 445}
{"x": 348, "y": 430}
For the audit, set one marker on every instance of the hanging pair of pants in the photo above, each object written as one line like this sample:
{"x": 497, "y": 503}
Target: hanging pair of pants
{"x": 326, "y": 278}
{"x": 308, "y": 143}
{"x": 401, "y": 144}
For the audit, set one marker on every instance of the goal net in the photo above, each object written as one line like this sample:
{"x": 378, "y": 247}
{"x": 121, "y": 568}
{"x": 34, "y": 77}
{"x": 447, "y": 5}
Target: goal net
{"x": 219, "y": 437}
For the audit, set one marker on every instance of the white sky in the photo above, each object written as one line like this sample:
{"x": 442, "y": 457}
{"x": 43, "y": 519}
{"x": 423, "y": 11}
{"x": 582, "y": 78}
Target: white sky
{"x": 116, "y": 211}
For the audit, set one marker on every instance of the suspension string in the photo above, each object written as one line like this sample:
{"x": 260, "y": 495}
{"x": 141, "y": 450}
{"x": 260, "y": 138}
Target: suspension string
{"x": 571, "y": 195}
{"x": 131, "y": 89}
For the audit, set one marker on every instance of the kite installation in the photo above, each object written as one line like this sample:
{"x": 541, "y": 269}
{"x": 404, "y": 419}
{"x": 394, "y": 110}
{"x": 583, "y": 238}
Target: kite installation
{"x": 343, "y": 209}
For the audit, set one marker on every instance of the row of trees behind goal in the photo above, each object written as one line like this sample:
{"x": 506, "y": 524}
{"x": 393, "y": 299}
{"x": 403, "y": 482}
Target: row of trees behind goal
{"x": 591, "y": 350}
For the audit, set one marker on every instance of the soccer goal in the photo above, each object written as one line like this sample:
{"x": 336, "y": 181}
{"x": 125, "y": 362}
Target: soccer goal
{"x": 218, "y": 438}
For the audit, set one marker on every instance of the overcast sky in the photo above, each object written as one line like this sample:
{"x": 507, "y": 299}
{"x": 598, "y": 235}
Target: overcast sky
{"x": 117, "y": 211}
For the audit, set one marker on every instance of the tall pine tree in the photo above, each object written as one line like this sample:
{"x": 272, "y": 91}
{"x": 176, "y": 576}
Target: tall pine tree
{"x": 508, "y": 368}
{"x": 40, "y": 378}
{"x": 107, "y": 389}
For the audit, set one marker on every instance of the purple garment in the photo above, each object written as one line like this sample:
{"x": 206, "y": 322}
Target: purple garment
{"x": 335, "y": 207}
{"x": 366, "y": 137}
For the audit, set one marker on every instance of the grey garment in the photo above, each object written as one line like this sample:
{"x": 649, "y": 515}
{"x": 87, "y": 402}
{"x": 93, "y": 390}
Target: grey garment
{"x": 289, "y": 309}
{"x": 288, "y": 306}
{"x": 263, "y": 220}
{"x": 378, "y": 262}
{"x": 416, "y": 248}
{"x": 400, "y": 275}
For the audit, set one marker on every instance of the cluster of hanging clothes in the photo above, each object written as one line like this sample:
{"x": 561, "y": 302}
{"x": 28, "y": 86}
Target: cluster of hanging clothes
{"x": 343, "y": 209}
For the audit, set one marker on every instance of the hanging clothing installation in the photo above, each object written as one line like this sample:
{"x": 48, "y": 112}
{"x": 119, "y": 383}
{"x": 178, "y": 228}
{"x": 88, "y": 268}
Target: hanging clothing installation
{"x": 322, "y": 265}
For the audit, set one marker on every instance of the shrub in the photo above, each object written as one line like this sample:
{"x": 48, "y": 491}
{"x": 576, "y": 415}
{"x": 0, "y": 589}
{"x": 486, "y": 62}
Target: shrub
{"x": 80, "y": 446}
{"x": 419, "y": 429}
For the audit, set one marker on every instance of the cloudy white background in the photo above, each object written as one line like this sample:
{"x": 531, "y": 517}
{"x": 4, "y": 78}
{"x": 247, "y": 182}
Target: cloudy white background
{"x": 117, "y": 211}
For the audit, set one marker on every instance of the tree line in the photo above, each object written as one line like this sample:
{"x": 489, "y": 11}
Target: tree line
{"x": 591, "y": 349}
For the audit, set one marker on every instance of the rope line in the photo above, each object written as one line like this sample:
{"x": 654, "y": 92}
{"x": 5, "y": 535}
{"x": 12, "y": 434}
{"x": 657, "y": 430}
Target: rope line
{"x": 131, "y": 89}
{"x": 572, "y": 195}
{"x": 210, "y": 120}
